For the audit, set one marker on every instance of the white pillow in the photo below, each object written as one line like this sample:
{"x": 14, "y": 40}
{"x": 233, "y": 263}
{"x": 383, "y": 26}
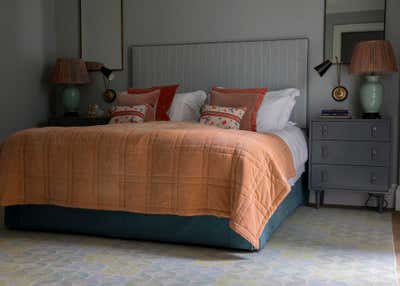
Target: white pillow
{"x": 276, "y": 109}
{"x": 187, "y": 106}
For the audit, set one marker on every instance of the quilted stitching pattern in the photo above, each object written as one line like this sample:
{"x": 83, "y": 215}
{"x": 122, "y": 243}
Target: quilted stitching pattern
{"x": 155, "y": 168}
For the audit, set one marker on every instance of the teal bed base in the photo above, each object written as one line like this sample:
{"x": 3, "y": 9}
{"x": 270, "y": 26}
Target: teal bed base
{"x": 198, "y": 230}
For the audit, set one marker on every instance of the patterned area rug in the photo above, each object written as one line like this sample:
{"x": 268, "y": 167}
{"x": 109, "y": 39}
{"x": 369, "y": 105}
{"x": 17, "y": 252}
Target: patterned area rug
{"x": 313, "y": 247}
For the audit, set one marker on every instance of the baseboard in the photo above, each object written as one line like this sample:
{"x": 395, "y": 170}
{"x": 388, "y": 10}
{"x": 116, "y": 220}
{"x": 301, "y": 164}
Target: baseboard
{"x": 334, "y": 206}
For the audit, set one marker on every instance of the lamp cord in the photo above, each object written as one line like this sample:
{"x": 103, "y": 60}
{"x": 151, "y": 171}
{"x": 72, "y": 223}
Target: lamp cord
{"x": 370, "y": 196}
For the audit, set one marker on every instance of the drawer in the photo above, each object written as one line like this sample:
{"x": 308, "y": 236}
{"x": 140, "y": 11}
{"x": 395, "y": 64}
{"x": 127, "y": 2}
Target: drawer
{"x": 360, "y": 178}
{"x": 376, "y": 130}
{"x": 351, "y": 153}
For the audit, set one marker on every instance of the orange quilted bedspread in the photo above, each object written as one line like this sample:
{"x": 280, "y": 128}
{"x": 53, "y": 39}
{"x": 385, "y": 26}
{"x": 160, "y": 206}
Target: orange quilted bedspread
{"x": 153, "y": 168}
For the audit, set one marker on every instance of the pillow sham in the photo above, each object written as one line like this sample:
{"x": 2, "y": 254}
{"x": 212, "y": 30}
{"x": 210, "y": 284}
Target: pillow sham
{"x": 146, "y": 98}
{"x": 187, "y": 106}
{"x": 167, "y": 94}
{"x": 252, "y": 102}
{"x": 276, "y": 109}
{"x": 127, "y": 114}
{"x": 222, "y": 117}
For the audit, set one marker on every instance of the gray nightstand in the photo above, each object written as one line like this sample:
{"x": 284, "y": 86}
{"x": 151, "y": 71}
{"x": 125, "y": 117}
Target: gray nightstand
{"x": 350, "y": 154}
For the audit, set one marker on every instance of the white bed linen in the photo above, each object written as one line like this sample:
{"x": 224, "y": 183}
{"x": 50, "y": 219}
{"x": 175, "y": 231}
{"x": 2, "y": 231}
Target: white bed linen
{"x": 297, "y": 142}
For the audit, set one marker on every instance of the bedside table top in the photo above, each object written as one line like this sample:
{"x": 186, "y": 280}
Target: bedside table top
{"x": 78, "y": 121}
{"x": 317, "y": 119}
{"x": 348, "y": 120}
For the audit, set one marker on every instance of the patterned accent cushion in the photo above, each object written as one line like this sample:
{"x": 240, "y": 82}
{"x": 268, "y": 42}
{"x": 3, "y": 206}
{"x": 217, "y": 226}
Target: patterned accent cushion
{"x": 127, "y": 114}
{"x": 236, "y": 98}
{"x": 222, "y": 117}
{"x": 146, "y": 98}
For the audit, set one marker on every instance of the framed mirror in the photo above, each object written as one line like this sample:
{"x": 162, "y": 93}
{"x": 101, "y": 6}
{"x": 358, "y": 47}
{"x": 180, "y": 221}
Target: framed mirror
{"x": 348, "y": 22}
{"x": 102, "y": 32}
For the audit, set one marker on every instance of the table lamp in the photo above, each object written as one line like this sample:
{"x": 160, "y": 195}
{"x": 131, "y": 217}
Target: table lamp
{"x": 372, "y": 59}
{"x": 70, "y": 73}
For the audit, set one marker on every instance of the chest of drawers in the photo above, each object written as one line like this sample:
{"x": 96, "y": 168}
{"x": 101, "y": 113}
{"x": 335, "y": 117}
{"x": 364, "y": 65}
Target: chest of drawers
{"x": 351, "y": 155}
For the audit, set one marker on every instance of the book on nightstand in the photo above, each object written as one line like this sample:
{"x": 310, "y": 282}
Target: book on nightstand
{"x": 335, "y": 114}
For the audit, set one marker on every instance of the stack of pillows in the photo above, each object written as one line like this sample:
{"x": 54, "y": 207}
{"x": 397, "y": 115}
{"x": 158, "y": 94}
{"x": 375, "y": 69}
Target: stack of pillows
{"x": 254, "y": 109}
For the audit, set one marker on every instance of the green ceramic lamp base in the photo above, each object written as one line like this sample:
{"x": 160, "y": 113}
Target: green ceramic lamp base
{"x": 371, "y": 95}
{"x": 71, "y": 100}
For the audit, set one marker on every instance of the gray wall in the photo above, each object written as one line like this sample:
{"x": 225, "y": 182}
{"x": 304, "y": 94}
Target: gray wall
{"x": 177, "y": 21}
{"x": 27, "y": 50}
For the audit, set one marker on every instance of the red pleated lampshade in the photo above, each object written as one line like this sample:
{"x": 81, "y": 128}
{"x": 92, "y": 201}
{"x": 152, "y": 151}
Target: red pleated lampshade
{"x": 373, "y": 57}
{"x": 70, "y": 71}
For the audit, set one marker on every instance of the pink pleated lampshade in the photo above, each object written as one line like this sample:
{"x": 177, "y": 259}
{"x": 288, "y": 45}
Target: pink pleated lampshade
{"x": 373, "y": 57}
{"x": 70, "y": 71}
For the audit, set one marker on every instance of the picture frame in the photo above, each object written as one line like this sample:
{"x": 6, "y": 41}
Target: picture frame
{"x": 101, "y": 30}
{"x": 350, "y": 22}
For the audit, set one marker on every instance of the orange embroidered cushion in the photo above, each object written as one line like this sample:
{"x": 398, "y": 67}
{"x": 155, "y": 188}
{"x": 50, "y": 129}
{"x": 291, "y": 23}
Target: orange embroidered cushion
{"x": 147, "y": 98}
{"x": 252, "y": 102}
{"x": 167, "y": 94}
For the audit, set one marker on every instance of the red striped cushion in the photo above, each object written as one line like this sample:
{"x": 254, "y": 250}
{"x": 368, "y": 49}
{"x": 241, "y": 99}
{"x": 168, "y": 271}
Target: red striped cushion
{"x": 127, "y": 114}
{"x": 222, "y": 117}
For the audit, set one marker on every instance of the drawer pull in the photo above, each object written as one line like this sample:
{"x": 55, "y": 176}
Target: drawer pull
{"x": 324, "y": 131}
{"x": 374, "y": 153}
{"x": 373, "y": 179}
{"x": 324, "y": 176}
{"x": 324, "y": 152}
{"x": 374, "y": 130}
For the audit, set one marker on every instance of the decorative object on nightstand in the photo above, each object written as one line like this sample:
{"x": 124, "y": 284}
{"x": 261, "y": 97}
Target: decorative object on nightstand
{"x": 70, "y": 73}
{"x": 94, "y": 111}
{"x": 350, "y": 155}
{"x": 335, "y": 114}
{"x": 372, "y": 59}
{"x": 339, "y": 93}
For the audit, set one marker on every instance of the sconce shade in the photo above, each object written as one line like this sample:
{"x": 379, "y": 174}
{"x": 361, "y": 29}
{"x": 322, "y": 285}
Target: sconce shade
{"x": 323, "y": 67}
{"x": 108, "y": 74}
{"x": 373, "y": 57}
{"x": 93, "y": 66}
{"x": 70, "y": 71}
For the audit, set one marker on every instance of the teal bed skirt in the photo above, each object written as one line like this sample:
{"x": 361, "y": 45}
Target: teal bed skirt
{"x": 198, "y": 230}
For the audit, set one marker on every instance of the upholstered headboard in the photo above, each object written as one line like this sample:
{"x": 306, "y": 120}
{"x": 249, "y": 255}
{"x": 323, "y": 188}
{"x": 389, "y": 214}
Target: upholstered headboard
{"x": 275, "y": 64}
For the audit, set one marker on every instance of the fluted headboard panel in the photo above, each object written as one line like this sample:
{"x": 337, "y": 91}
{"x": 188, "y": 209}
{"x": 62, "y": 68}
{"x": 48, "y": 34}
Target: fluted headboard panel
{"x": 275, "y": 64}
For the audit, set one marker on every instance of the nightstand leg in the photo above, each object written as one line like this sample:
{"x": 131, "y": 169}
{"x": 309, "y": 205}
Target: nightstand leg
{"x": 317, "y": 199}
{"x": 322, "y": 198}
{"x": 381, "y": 201}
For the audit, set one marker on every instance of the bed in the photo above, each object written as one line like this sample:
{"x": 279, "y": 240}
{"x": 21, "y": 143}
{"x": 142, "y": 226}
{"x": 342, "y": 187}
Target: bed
{"x": 277, "y": 64}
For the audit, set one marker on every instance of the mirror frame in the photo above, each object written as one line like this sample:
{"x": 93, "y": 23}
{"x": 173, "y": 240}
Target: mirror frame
{"x": 122, "y": 35}
{"x": 324, "y": 35}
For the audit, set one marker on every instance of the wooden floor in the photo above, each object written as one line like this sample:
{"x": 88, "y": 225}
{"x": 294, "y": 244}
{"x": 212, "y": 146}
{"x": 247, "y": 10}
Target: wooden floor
{"x": 396, "y": 239}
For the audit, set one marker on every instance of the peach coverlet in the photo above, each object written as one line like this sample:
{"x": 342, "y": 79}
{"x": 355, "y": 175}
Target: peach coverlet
{"x": 183, "y": 169}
